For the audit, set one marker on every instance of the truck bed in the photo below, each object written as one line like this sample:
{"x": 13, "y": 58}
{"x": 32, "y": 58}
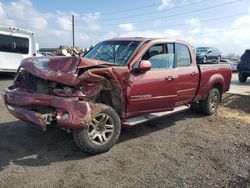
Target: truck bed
{"x": 209, "y": 76}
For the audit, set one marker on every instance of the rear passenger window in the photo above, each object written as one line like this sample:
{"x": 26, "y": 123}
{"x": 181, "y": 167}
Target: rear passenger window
{"x": 159, "y": 58}
{"x": 183, "y": 57}
{"x": 14, "y": 44}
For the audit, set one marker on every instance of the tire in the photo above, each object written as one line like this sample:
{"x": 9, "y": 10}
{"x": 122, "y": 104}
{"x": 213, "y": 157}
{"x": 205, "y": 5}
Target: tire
{"x": 204, "y": 59}
{"x": 209, "y": 105}
{"x": 242, "y": 78}
{"x": 218, "y": 59}
{"x": 106, "y": 125}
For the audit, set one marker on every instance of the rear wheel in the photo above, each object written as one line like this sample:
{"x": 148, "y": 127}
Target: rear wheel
{"x": 209, "y": 105}
{"x": 101, "y": 133}
{"x": 218, "y": 59}
{"x": 242, "y": 78}
{"x": 204, "y": 60}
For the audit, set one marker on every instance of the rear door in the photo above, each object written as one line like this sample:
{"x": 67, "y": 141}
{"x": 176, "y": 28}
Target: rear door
{"x": 188, "y": 74}
{"x": 154, "y": 90}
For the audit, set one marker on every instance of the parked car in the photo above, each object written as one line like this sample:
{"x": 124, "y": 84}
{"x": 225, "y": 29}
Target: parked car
{"x": 120, "y": 82}
{"x": 208, "y": 54}
{"x": 231, "y": 63}
{"x": 244, "y": 66}
{"x": 15, "y": 45}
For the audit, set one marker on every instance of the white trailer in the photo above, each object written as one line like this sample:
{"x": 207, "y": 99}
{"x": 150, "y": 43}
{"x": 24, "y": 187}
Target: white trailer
{"x": 15, "y": 45}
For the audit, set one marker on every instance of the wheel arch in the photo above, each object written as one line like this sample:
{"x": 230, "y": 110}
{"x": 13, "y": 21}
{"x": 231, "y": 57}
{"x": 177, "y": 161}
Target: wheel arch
{"x": 218, "y": 86}
{"x": 106, "y": 96}
{"x": 215, "y": 81}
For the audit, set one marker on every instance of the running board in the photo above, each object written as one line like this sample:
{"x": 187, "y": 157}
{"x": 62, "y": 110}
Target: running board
{"x": 141, "y": 119}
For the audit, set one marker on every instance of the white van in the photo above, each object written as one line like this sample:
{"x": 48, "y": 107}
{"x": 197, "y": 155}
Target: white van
{"x": 15, "y": 45}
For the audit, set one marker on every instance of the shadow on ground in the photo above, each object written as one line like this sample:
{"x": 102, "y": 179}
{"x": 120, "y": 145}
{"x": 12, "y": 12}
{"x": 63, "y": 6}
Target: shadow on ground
{"x": 25, "y": 145}
{"x": 237, "y": 102}
{"x": 4, "y": 76}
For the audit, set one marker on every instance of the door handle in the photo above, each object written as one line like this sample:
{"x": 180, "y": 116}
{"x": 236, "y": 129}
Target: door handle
{"x": 193, "y": 73}
{"x": 170, "y": 78}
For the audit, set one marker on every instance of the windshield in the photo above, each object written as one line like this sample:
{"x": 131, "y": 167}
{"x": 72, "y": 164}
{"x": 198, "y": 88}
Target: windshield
{"x": 202, "y": 49}
{"x": 117, "y": 52}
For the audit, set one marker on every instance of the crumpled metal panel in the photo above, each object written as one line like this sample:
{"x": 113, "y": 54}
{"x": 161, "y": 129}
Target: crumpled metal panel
{"x": 60, "y": 69}
{"x": 97, "y": 76}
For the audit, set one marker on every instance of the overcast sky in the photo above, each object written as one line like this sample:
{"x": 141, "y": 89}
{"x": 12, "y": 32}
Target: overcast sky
{"x": 223, "y": 24}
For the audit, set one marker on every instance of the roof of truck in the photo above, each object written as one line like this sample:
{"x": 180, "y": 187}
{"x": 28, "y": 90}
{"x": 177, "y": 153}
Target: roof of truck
{"x": 144, "y": 40}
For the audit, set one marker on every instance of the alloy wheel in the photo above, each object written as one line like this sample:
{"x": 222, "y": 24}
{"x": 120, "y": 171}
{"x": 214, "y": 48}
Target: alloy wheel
{"x": 101, "y": 129}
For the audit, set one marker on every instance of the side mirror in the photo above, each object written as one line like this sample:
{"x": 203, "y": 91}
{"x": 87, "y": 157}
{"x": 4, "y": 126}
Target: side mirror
{"x": 209, "y": 51}
{"x": 144, "y": 66}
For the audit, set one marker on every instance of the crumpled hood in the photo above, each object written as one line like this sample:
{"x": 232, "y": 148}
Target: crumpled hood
{"x": 59, "y": 69}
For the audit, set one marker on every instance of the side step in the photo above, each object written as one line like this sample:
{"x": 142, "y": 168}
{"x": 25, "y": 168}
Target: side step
{"x": 141, "y": 119}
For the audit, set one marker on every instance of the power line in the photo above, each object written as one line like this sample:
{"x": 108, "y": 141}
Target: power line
{"x": 188, "y": 12}
{"x": 200, "y": 21}
{"x": 155, "y": 12}
{"x": 177, "y": 14}
{"x": 206, "y": 20}
{"x": 136, "y": 8}
{"x": 131, "y": 9}
{"x": 174, "y": 25}
{"x": 179, "y": 24}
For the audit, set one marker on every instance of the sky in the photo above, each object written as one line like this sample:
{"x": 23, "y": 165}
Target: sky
{"x": 223, "y": 24}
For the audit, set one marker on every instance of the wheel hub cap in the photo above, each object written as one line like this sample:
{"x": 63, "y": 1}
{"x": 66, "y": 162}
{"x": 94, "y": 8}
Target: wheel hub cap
{"x": 214, "y": 101}
{"x": 101, "y": 129}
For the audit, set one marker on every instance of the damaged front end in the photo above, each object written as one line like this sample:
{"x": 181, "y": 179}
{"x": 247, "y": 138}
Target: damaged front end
{"x": 53, "y": 91}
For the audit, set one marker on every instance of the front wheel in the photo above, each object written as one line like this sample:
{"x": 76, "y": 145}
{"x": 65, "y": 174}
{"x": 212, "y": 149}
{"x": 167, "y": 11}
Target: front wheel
{"x": 101, "y": 133}
{"x": 209, "y": 105}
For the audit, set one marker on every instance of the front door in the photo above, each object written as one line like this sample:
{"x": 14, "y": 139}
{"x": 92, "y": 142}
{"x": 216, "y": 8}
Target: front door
{"x": 154, "y": 90}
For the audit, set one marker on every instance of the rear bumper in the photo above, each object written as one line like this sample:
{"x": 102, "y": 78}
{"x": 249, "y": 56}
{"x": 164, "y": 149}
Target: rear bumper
{"x": 68, "y": 112}
{"x": 244, "y": 71}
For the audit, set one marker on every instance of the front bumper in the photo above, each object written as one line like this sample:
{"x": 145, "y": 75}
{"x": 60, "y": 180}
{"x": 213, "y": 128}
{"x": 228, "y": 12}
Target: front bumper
{"x": 69, "y": 112}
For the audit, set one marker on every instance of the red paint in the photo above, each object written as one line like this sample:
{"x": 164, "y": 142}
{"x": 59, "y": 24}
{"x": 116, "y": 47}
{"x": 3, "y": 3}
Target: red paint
{"x": 135, "y": 93}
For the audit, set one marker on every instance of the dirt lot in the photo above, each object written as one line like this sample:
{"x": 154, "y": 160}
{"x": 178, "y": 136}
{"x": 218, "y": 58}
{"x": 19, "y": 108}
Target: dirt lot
{"x": 239, "y": 88}
{"x": 185, "y": 150}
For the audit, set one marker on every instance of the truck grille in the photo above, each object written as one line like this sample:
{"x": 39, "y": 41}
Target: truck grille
{"x": 36, "y": 85}
{"x": 33, "y": 83}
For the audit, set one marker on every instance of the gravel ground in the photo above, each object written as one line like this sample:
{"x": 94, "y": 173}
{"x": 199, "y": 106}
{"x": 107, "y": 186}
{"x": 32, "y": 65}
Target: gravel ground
{"x": 184, "y": 150}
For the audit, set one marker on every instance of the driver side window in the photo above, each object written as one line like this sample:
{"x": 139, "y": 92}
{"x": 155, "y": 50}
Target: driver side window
{"x": 160, "y": 57}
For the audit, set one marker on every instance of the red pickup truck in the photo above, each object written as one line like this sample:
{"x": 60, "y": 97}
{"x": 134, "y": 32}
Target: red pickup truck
{"x": 120, "y": 82}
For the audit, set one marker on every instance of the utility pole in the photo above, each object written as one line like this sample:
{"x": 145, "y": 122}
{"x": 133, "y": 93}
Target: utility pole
{"x": 73, "y": 30}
